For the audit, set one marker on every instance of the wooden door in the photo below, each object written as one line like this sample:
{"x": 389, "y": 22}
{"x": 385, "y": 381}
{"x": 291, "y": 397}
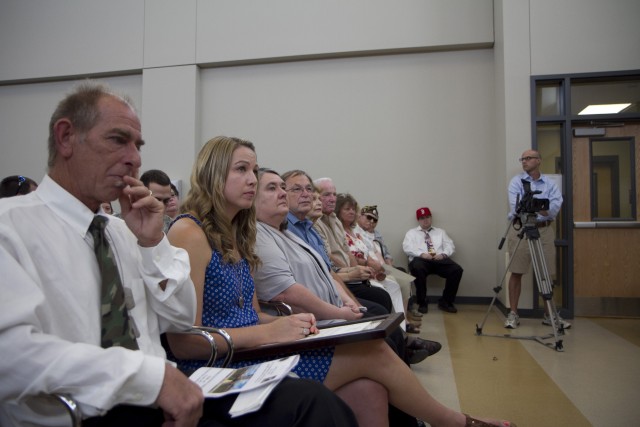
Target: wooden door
{"x": 606, "y": 265}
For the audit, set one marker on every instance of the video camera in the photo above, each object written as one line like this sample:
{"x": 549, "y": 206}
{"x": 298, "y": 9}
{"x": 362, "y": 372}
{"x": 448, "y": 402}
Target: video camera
{"x": 529, "y": 204}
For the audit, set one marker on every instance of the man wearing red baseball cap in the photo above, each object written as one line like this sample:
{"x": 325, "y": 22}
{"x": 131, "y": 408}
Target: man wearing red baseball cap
{"x": 429, "y": 250}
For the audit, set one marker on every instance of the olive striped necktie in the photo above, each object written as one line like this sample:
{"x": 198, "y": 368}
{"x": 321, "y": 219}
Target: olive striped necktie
{"x": 117, "y": 328}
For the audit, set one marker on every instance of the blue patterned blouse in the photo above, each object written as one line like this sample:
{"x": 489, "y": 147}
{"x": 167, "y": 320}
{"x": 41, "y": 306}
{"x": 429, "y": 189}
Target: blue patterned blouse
{"x": 228, "y": 296}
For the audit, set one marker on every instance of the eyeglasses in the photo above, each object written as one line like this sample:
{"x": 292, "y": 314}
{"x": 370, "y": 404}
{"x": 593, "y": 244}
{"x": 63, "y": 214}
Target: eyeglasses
{"x": 522, "y": 159}
{"x": 296, "y": 189}
{"x": 21, "y": 180}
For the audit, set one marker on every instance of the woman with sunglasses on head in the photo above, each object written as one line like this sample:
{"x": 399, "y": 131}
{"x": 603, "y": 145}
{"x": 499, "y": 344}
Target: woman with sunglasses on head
{"x": 16, "y": 185}
{"x": 218, "y": 230}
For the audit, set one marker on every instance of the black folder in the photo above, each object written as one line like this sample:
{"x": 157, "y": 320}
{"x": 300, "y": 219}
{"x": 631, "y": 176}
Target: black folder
{"x": 378, "y": 327}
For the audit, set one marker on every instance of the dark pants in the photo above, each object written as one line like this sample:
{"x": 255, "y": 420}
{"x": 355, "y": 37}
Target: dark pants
{"x": 446, "y": 268}
{"x": 373, "y": 308}
{"x": 364, "y": 290}
{"x": 294, "y": 402}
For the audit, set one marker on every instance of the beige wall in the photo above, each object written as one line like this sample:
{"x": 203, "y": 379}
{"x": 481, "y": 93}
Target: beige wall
{"x": 384, "y": 128}
{"x": 439, "y": 122}
{"x": 583, "y": 36}
{"x": 25, "y": 110}
{"x": 42, "y": 39}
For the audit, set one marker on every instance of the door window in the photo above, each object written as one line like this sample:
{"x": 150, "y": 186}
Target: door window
{"x": 612, "y": 179}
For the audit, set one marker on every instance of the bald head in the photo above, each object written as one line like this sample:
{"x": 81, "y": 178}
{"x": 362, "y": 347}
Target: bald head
{"x": 530, "y": 161}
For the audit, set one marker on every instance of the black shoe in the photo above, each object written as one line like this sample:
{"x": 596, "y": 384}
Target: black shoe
{"x": 447, "y": 306}
{"x": 418, "y": 350}
{"x": 415, "y": 356}
{"x": 431, "y": 347}
{"x": 424, "y": 308}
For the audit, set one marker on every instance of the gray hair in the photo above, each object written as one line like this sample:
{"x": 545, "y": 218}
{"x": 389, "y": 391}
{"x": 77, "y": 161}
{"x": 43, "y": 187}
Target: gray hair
{"x": 319, "y": 181}
{"x": 80, "y": 107}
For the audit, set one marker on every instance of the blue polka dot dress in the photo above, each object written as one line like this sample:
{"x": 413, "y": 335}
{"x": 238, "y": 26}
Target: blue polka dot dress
{"x": 228, "y": 296}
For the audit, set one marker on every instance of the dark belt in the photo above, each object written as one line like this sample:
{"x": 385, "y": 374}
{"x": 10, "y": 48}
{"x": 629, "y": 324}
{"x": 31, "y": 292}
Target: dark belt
{"x": 543, "y": 224}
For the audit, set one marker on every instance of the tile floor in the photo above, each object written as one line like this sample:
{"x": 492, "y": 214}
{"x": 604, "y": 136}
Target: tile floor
{"x": 595, "y": 381}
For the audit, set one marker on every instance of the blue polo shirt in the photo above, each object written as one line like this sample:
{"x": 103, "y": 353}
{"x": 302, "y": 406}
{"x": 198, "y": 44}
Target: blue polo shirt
{"x": 304, "y": 230}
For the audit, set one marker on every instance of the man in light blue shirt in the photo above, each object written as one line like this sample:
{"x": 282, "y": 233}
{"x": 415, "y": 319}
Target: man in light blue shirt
{"x": 521, "y": 259}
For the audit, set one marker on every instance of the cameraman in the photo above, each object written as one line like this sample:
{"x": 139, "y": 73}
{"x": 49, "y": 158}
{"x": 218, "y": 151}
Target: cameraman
{"x": 521, "y": 262}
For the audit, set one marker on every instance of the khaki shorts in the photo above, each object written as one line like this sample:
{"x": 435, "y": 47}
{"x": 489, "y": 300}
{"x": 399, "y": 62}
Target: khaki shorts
{"x": 522, "y": 258}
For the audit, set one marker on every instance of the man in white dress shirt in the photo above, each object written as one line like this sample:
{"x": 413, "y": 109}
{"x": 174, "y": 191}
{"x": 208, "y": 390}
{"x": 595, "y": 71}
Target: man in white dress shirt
{"x": 429, "y": 250}
{"x": 50, "y": 310}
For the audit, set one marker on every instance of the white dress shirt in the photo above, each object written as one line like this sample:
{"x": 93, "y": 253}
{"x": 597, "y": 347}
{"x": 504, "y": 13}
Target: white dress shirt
{"x": 50, "y": 309}
{"x": 415, "y": 243}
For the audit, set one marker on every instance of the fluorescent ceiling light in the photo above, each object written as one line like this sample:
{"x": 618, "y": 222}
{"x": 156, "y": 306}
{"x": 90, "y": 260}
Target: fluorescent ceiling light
{"x": 603, "y": 109}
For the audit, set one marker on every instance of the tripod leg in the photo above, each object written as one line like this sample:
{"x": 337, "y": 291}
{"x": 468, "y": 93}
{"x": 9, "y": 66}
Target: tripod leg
{"x": 545, "y": 287}
{"x": 498, "y": 288}
{"x": 555, "y": 324}
{"x": 486, "y": 315}
{"x": 540, "y": 268}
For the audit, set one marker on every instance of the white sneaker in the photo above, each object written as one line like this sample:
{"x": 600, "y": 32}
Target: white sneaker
{"x": 513, "y": 320}
{"x": 559, "y": 320}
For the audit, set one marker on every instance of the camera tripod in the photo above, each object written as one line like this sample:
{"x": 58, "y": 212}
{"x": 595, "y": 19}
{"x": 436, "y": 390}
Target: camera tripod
{"x": 545, "y": 286}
